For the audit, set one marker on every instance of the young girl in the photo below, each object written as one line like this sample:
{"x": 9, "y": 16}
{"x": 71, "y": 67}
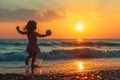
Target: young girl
{"x": 32, "y": 47}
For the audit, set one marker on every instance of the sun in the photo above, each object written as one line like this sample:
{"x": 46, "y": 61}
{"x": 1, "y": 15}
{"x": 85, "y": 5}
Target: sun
{"x": 79, "y": 27}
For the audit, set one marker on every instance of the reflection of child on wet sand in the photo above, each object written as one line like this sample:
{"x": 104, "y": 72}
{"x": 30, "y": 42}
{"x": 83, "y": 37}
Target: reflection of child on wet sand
{"x": 32, "y": 47}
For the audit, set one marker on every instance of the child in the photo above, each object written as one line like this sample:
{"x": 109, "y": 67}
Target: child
{"x": 32, "y": 47}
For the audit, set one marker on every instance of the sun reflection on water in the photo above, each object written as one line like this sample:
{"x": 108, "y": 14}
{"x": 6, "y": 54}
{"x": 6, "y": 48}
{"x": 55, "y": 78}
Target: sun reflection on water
{"x": 73, "y": 66}
{"x": 81, "y": 66}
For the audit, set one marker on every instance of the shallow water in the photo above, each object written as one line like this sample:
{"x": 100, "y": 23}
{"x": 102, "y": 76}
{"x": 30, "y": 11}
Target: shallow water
{"x": 14, "y": 49}
{"x": 61, "y": 66}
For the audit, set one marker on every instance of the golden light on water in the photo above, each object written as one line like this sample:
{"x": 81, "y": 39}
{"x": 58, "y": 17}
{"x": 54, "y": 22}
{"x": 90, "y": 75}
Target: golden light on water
{"x": 79, "y": 40}
{"x": 80, "y": 66}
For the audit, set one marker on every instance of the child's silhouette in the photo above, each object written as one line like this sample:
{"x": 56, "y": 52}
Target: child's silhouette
{"x": 32, "y": 47}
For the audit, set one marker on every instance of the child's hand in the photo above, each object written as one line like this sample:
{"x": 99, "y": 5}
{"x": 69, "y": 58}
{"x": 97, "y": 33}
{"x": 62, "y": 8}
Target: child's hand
{"x": 48, "y": 34}
{"x": 17, "y": 27}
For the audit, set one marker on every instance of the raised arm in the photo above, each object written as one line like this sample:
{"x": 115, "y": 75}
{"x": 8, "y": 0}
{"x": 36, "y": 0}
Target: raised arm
{"x": 21, "y": 32}
{"x": 41, "y": 35}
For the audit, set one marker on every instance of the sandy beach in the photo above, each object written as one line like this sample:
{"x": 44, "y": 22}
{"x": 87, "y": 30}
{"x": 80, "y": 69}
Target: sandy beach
{"x": 91, "y": 75}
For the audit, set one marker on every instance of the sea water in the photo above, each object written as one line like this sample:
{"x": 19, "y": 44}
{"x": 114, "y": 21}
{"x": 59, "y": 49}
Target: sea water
{"x": 61, "y": 55}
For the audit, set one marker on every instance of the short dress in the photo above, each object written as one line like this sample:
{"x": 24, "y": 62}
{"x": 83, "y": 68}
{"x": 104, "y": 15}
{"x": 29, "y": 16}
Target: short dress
{"x": 32, "y": 47}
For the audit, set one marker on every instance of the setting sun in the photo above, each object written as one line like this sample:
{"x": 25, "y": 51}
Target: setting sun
{"x": 79, "y": 27}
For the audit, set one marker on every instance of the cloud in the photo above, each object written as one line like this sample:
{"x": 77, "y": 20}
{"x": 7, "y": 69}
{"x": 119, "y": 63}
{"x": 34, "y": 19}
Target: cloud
{"x": 28, "y": 14}
{"x": 95, "y": 15}
{"x": 49, "y": 15}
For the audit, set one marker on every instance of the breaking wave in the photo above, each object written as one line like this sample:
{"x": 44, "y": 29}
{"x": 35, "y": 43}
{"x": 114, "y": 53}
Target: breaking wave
{"x": 63, "y": 54}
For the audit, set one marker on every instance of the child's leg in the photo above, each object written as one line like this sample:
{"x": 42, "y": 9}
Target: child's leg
{"x": 26, "y": 60}
{"x": 33, "y": 59}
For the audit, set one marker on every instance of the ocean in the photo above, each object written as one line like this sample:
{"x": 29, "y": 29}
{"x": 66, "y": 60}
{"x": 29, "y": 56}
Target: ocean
{"x": 61, "y": 55}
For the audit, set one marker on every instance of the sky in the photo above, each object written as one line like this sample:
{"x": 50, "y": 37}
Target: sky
{"x": 99, "y": 18}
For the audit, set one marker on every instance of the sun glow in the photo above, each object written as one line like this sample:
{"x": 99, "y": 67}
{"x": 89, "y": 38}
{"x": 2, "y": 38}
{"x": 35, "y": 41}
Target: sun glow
{"x": 79, "y": 27}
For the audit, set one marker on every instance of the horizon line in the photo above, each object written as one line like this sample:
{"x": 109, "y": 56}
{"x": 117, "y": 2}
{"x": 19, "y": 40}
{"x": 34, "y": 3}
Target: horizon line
{"x": 66, "y": 38}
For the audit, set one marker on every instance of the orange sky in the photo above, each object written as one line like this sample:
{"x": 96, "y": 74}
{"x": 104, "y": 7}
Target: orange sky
{"x": 99, "y": 17}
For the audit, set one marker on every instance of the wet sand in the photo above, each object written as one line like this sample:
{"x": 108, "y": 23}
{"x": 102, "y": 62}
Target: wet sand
{"x": 91, "y": 75}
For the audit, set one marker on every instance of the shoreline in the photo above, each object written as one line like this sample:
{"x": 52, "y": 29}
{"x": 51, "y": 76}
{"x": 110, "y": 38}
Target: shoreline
{"x": 91, "y": 75}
